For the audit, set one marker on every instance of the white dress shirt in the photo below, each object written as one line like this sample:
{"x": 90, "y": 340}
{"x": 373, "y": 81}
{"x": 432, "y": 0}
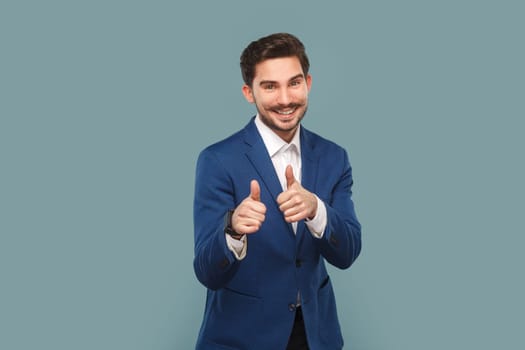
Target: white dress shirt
{"x": 282, "y": 155}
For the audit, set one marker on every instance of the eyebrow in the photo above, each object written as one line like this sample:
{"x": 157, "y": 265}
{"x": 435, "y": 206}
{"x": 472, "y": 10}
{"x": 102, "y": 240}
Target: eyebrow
{"x": 263, "y": 82}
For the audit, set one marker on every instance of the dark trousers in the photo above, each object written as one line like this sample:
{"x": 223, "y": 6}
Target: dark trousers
{"x": 297, "y": 339}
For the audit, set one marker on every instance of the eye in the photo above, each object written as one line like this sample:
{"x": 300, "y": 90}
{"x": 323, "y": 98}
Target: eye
{"x": 295, "y": 83}
{"x": 268, "y": 87}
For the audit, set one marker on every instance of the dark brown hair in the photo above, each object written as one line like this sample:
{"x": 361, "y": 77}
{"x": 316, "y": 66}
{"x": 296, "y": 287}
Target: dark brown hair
{"x": 271, "y": 46}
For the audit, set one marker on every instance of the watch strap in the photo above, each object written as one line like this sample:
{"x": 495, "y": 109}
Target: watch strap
{"x": 228, "y": 228}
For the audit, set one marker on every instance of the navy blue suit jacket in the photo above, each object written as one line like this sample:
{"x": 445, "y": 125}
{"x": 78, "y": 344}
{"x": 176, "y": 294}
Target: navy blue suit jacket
{"x": 250, "y": 303}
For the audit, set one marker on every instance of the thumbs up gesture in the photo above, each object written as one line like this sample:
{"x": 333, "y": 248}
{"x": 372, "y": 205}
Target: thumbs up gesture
{"x": 255, "y": 191}
{"x": 250, "y": 213}
{"x": 296, "y": 203}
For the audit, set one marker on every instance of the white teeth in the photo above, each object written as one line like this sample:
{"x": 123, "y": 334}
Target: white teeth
{"x": 286, "y": 112}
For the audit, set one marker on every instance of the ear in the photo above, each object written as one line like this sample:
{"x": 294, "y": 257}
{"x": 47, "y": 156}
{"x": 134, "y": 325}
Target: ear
{"x": 248, "y": 93}
{"x": 309, "y": 82}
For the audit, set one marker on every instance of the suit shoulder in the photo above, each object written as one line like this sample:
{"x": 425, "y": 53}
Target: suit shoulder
{"x": 320, "y": 143}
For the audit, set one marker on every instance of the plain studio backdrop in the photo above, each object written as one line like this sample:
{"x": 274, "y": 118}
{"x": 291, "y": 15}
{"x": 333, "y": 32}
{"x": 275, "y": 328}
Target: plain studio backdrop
{"x": 105, "y": 105}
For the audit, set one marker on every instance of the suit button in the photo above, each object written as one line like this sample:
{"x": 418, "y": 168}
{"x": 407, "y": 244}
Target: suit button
{"x": 224, "y": 263}
{"x": 291, "y": 307}
{"x": 298, "y": 262}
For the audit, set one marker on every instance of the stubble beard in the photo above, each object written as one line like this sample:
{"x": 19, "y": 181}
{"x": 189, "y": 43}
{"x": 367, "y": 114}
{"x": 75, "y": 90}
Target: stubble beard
{"x": 269, "y": 122}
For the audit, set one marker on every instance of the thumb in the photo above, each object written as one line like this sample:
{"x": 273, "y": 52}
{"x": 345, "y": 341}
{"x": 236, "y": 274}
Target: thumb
{"x": 290, "y": 178}
{"x": 255, "y": 191}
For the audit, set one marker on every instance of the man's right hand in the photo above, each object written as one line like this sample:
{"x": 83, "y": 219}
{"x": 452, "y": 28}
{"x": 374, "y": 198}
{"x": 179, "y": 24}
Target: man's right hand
{"x": 250, "y": 213}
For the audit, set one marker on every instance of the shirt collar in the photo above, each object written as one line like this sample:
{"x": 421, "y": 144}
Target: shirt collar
{"x": 272, "y": 141}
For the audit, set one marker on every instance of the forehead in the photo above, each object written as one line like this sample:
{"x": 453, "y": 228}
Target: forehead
{"x": 278, "y": 69}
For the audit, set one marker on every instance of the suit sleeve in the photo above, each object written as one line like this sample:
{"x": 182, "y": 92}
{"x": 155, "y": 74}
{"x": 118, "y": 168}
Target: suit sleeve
{"x": 214, "y": 263}
{"x": 341, "y": 242}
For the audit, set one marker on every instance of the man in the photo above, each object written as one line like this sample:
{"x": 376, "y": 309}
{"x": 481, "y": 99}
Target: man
{"x": 272, "y": 203}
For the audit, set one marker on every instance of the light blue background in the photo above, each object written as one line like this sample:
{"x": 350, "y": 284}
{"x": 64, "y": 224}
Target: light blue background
{"x": 104, "y": 106}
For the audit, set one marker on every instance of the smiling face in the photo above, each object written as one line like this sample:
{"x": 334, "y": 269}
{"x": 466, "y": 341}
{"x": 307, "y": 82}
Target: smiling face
{"x": 280, "y": 94}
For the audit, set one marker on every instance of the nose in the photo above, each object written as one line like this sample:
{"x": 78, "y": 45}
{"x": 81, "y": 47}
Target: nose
{"x": 283, "y": 97}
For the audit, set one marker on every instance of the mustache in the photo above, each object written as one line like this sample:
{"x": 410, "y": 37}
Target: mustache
{"x": 290, "y": 105}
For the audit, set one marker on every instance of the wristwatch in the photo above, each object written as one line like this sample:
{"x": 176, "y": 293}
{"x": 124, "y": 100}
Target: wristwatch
{"x": 228, "y": 228}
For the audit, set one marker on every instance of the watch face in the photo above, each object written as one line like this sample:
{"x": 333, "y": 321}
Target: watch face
{"x": 228, "y": 224}
{"x": 231, "y": 232}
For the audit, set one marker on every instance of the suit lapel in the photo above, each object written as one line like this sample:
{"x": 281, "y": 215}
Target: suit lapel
{"x": 310, "y": 162}
{"x": 261, "y": 161}
{"x": 310, "y": 167}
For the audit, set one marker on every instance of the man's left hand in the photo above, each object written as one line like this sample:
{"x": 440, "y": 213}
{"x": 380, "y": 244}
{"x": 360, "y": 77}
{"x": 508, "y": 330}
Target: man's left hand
{"x": 296, "y": 203}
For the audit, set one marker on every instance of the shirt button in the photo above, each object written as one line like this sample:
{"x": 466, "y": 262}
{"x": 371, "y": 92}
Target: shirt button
{"x": 291, "y": 307}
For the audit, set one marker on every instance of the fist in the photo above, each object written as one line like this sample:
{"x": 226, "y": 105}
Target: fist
{"x": 296, "y": 203}
{"x": 250, "y": 213}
